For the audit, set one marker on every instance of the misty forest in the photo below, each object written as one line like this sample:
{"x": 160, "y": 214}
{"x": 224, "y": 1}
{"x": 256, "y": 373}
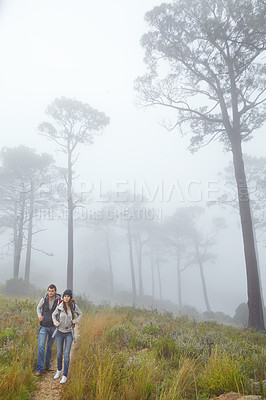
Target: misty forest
{"x": 133, "y": 172}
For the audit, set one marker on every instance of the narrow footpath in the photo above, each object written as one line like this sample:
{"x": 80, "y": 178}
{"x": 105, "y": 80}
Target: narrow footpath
{"x": 49, "y": 388}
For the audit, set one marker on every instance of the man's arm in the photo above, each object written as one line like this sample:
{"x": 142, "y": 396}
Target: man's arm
{"x": 55, "y": 317}
{"x": 39, "y": 309}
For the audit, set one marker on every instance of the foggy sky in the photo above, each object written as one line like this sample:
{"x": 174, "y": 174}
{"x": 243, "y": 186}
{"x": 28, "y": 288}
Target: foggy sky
{"x": 91, "y": 51}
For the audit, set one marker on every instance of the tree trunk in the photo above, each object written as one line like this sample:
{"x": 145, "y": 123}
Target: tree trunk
{"x": 159, "y": 278}
{"x": 255, "y": 319}
{"x": 203, "y": 282}
{"x": 180, "y": 304}
{"x": 131, "y": 263}
{"x": 141, "y": 291}
{"x": 258, "y": 259}
{"x": 204, "y": 288}
{"x": 152, "y": 275}
{"x": 109, "y": 260}
{"x": 15, "y": 236}
{"x": 70, "y": 242}
{"x": 29, "y": 240}
{"x": 19, "y": 238}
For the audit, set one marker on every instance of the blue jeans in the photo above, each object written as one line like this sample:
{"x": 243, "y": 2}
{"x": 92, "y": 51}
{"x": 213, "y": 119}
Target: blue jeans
{"x": 60, "y": 339}
{"x": 44, "y": 358}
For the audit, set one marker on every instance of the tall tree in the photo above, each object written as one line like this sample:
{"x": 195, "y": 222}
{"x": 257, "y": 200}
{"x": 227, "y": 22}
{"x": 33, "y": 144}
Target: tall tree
{"x": 129, "y": 211}
{"x": 176, "y": 232}
{"x": 106, "y": 225}
{"x": 216, "y": 84}
{"x": 141, "y": 228}
{"x": 23, "y": 172}
{"x": 124, "y": 222}
{"x": 256, "y": 180}
{"x": 201, "y": 241}
{"x": 159, "y": 246}
{"x": 131, "y": 259}
{"x": 42, "y": 173}
{"x": 13, "y": 178}
{"x": 74, "y": 123}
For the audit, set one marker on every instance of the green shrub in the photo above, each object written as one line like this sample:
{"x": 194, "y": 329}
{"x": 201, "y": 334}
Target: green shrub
{"x": 18, "y": 344}
{"x": 166, "y": 348}
{"x": 21, "y": 288}
{"x": 221, "y": 374}
{"x": 150, "y": 329}
{"x": 119, "y": 336}
{"x": 7, "y": 335}
{"x": 133, "y": 354}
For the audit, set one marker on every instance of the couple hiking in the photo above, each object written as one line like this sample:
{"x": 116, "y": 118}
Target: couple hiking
{"x": 57, "y": 321}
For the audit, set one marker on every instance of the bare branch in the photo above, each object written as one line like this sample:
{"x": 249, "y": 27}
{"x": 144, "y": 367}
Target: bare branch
{"x": 42, "y": 251}
{"x": 41, "y": 230}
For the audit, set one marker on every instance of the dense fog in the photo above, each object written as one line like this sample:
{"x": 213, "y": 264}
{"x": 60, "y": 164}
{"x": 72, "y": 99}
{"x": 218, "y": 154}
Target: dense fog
{"x": 136, "y": 185}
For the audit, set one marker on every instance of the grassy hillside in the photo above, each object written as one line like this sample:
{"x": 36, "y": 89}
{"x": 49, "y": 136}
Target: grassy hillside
{"x": 132, "y": 354}
{"x": 18, "y": 348}
{"x": 126, "y": 353}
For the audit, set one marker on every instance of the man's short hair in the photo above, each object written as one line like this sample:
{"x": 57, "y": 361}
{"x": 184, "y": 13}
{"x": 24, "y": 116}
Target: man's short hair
{"x": 52, "y": 286}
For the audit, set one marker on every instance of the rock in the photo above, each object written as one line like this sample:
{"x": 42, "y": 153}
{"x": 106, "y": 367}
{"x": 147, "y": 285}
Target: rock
{"x": 256, "y": 386}
{"x": 227, "y": 396}
{"x": 236, "y": 396}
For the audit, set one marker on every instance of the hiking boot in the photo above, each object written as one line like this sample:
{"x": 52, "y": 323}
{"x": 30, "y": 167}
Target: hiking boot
{"x": 57, "y": 375}
{"x": 49, "y": 369}
{"x": 64, "y": 379}
{"x": 37, "y": 373}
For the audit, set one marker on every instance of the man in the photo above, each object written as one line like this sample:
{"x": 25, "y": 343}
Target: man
{"x": 45, "y": 308}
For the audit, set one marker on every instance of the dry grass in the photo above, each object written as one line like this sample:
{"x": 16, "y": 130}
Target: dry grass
{"x": 132, "y": 354}
{"x": 183, "y": 383}
{"x": 18, "y": 346}
{"x": 140, "y": 355}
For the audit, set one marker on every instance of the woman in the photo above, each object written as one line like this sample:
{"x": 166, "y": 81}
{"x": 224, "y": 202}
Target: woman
{"x": 64, "y": 320}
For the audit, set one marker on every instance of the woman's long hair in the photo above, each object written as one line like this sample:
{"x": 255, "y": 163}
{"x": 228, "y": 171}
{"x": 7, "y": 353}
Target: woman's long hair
{"x": 70, "y": 303}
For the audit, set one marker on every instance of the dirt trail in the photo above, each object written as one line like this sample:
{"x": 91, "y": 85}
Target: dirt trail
{"x": 47, "y": 387}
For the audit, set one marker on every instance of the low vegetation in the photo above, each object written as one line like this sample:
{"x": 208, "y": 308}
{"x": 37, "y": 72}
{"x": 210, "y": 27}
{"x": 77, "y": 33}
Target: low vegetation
{"x": 18, "y": 287}
{"x": 18, "y": 348}
{"x": 126, "y": 353}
